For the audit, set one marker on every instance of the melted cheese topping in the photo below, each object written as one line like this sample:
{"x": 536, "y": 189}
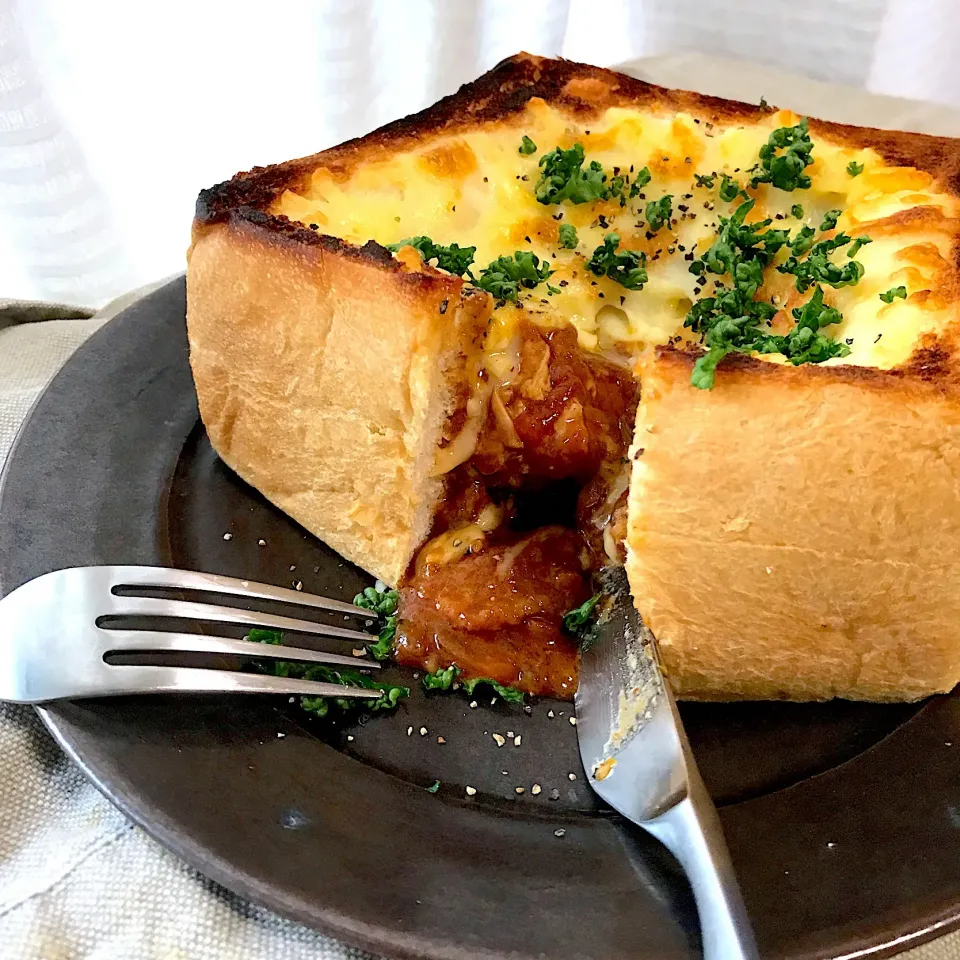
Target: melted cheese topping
{"x": 476, "y": 189}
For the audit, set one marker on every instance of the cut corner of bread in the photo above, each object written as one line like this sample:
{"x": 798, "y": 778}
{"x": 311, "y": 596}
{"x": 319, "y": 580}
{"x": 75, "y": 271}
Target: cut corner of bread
{"x": 791, "y": 533}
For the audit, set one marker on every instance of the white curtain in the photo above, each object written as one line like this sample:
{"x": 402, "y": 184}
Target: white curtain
{"x": 114, "y": 114}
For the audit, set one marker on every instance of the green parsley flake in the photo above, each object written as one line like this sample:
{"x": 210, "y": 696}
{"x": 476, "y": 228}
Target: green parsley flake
{"x": 454, "y": 258}
{"x": 854, "y": 168}
{"x": 732, "y": 321}
{"x": 804, "y": 344}
{"x": 894, "y": 293}
{"x": 857, "y": 244}
{"x": 390, "y": 694}
{"x": 505, "y": 276}
{"x": 802, "y": 241}
{"x": 640, "y": 179}
{"x": 730, "y": 189}
{"x": 818, "y": 268}
{"x": 738, "y": 241}
{"x": 442, "y": 679}
{"x": 658, "y": 212}
{"x": 383, "y": 603}
{"x": 575, "y": 620}
{"x": 626, "y": 267}
{"x": 510, "y": 694}
{"x": 563, "y": 178}
{"x": 785, "y": 170}
{"x": 796, "y": 211}
{"x": 568, "y": 236}
{"x": 830, "y": 219}
{"x": 527, "y": 146}
{"x": 704, "y": 180}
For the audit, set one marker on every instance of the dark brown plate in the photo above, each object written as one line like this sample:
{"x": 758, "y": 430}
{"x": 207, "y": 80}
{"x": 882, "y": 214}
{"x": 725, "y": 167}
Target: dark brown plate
{"x": 843, "y": 819}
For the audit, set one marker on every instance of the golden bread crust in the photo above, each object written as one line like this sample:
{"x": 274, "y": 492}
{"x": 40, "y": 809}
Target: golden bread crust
{"x": 324, "y": 380}
{"x": 579, "y": 89}
{"x": 794, "y": 533}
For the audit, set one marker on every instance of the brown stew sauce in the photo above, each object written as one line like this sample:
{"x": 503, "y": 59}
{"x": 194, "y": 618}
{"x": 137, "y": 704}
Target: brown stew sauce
{"x": 553, "y": 442}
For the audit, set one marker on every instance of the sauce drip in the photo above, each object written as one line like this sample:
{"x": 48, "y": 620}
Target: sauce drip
{"x": 499, "y": 613}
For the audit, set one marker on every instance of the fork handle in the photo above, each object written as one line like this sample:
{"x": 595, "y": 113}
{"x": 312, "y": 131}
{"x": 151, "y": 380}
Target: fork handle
{"x": 691, "y": 832}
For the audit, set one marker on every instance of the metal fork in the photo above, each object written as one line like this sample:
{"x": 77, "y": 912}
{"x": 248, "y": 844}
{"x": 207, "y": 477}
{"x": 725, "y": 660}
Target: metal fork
{"x": 54, "y": 646}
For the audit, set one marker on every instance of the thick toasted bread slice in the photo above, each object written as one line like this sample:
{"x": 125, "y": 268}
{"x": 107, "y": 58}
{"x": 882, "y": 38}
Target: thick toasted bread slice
{"x": 325, "y": 375}
{"x": 793, "y": 532}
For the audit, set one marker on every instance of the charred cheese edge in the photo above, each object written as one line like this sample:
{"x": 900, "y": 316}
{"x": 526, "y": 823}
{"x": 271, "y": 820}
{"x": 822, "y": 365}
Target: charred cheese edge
{"x": 475, "y": 188}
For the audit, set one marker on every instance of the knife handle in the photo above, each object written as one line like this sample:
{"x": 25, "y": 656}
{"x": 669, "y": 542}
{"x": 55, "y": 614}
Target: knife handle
{"x": 691, "y": 832}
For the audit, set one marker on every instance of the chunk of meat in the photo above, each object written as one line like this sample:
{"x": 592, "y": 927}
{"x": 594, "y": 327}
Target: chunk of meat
{"x": 569, "y": 413}
{"x": 464, "y": 499}
{"x": 499, "y": 613}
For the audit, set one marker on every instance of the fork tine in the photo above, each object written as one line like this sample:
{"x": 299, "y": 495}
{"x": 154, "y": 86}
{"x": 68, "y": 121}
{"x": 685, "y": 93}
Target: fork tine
{"x": 149, "y": 641}
{"x": 156, "y": 607}
{"x": 130, "y": 678}
{"x": 190, "y": 580}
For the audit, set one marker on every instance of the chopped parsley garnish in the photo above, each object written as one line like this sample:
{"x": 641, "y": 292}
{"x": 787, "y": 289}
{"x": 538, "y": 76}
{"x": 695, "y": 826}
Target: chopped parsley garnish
{"x": 563, "y": 178}
{"x": 575, "y": 620}
{"x": 830, "y": 219}
{"x": 510, "y": 694}
{"x": 796, "y": 211}
{"x": 804, "y": 344}
{"x": 527, "y": 146}
{"x": 894, "y": 293}
{"x": 817, "y": 267}
{"x": 505, "y": 276}
{"x": 383, "y": 648}
{"x": 568, "y": 236}
{"x": 732, "y": 321}
{"x": 383, "y": 603}
{"x": 626, "y": 267}
{"x": 856, "y": 245}
{"x": 730, "y": 189}
{"x": 442, "y": 679}
{"x": 390, "y": 694}
{"x": 704, "y": 180}
{"x": 658, "y": 213}
{"x": 740, "y": 243}
{"x": 454, "y": 258}
{"x": 802, "y": 241}
{"x": 640, "y": 179}
{"x": 615, "y": 189}
{"x": 381, "y": 600}
{"x": 784, "y": 170}
{"x": 854, "y": 168}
